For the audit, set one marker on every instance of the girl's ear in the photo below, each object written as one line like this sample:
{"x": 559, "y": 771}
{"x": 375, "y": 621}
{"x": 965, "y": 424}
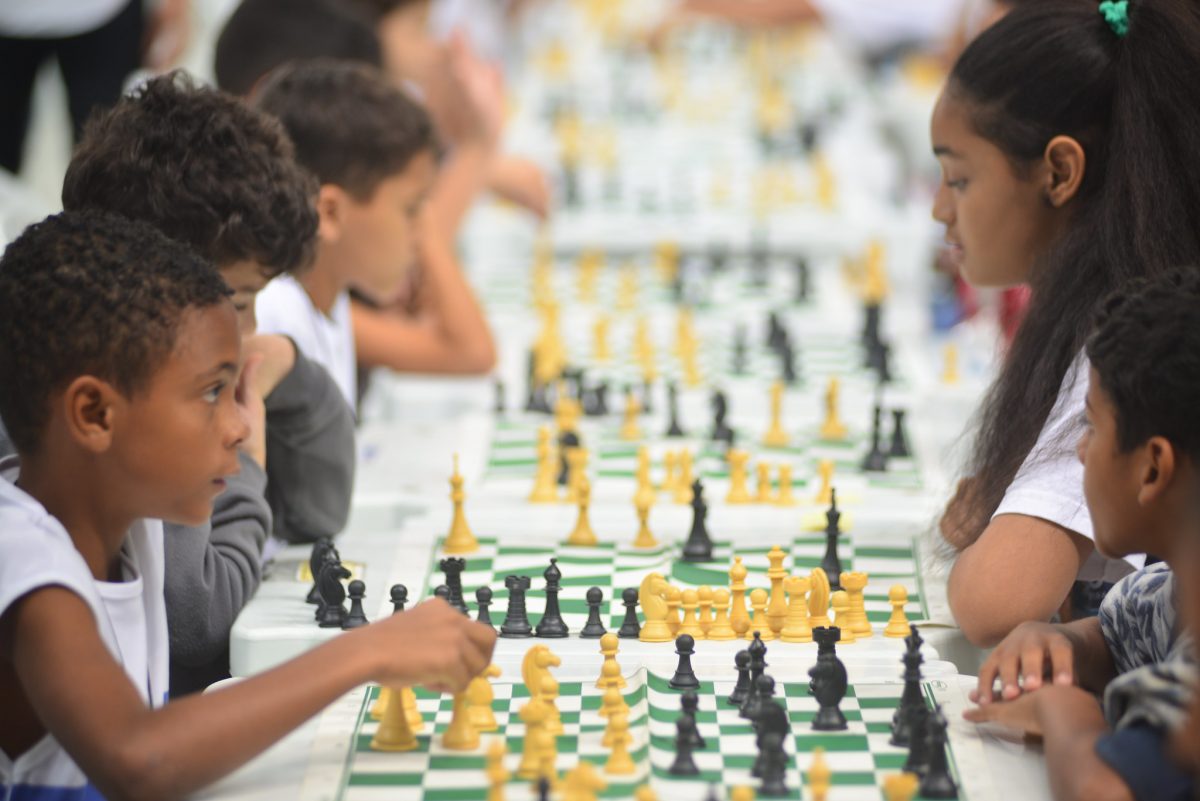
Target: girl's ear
{"x": 1065, "y": 163}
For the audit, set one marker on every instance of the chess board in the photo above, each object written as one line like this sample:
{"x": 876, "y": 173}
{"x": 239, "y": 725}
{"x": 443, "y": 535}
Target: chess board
{"x": 613, "y": 568}
{"x": 860, "y": 757}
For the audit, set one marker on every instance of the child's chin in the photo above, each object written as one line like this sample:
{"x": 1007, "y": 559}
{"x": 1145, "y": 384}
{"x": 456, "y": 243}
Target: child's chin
{"x": 194, "y": 515}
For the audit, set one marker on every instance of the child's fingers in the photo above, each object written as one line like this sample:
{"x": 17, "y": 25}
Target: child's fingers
{"x": 1062, "y": 662}
{"x": 1010, "y": 672}
{"x": 987, "y": 679}
{"x": 1033, "y": 665}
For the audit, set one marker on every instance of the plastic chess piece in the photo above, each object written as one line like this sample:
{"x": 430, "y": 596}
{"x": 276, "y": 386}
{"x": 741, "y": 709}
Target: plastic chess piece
{"x": 610, "y": 672}
{"x": 674, "y": 598}
{"x": 316, "y": 558}
{"x": 855, "y": 585}
{"x": 568, "y": 441}
{"x": 738, "y": 492}
{"x": 742, "y": 660}
{"x": 739, "y": 351}
{"x": 356, "y": 617}
{"x": 759, "y": 627}
{"x": 460, "y": 539}
{"x": 684, "y": 763}
{"x": 674, "y": 429}
{"x": 654, "y": 607}
{"x": 552, "y": 624}
{"x": 645, "y": 538}
{"x": 461, "y": 734}
{"x": 831, "y": 562}
{"x": 900, "y": 786}
{"x": 720, "y": 628}
{"x": 498, "y": 388}
{"x": 699, "y": 545}
{"x": 912, "y": 700}
{"x": 496, "y": 774}
{"x": 876, "y": 459}
{"x": 776, "y": 574}
{"x": 333, "y": 594}
{"x": 829, "y": 684}
{"x": 776, "y": 436}
{"x": 819, "y": 775}
{"x": 583, "y": 535}
{"x": 483, "y": 601}
{"x": 689, "y": 704}
{"x": 630, "y": 627}
{"x": 937, "y": 781}
{"x": 818, "y": 599}
{"x": 399, "y": 595}
{"x": 594, "y": 628}
{"x": 395, "y": 732}
{"x": 763, "y": 491}
{"x": 897, "y": 625}
{"x": 900, "y": 448}
{"x": 453, "y": 569}
{"x": 704, "y": 597}
{"x": 840, "y": 603}
{"x": 795, "y": 624}
{"x": 784, "y": 496}
{"x": 516, "y": 620}
{"x": 774, "y": 767}
{"x": 479, "y": 700}
{"x": 739, "y": 618}
{"x": 685, "y": 677}
{"x": 545, "y": 485}
{"x": 690, "y": 625}
{"x": 619, "y": 763}
{"x": 917, "y": 760}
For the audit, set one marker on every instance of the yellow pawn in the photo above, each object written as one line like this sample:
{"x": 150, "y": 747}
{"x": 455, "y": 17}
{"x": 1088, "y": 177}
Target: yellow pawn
{"x": 480, "y": 696}
{"x": 394, "y": 732}
{"x": 646, "y": 793}
{"x": 738, "y": 491}
{"x": 764, "y": 483}
{"x": 897, "y": 625}
{"x": 409, "y": 699}
{"x": 533, "y": 714}
{"x": 381, "y": 703}
{"x": 855, "y": 584}
{"x": 674, "y": 598}
{"x": 583, "y": 535}
{"x": 704, "y": 617}
{"x": 461, "y": 734}
{"x": 668, "y": 479}
{"x": 785, "y": 496}
{"x": 630, "y": 430}
{"x": 950, "y": 364}
{"x": 496, "y": 774}
{"x": 620, "y": 763}
{"x": 819, "y": 775}
{"x": 825, "y": 492}
{"x": 545, "y": 486}
{"x": 460, "y": 539}
{"x": 776, "y": 436}
{"x": 610, "y": 676}
{"x": 758, "y": 602}
{"x": 818, "y": 599}
{"x": 739, "y": 619}
{"x": 601, "y": 351}
{"x": 690, "y": 623}
{"x": 840, "y": 601}
{"x": 613, "y": 703}
{"x": 691, "y": 370}
{"x": 577, "y": 459}
{"x": 582, "y": 783}
{"x": 720, "y": 628}
{"x": 644, "y": 538}
{"x": 833, "y": 428}
{"x": 741, "y": 793}
{"x": 645, "y": 487}
{"x": 795, "y": 625}
{"x": 683, "y": 478}
{"x": 901, "y": 786}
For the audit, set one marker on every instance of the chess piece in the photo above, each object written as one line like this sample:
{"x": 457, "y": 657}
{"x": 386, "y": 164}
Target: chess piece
{"x": 355, "y": 617}
{"x": 674, "y": 599}
{"x": 918, "y": 757}
{"x": 600, "y": 349}
{"x": 568, "y": 468}
{"x": 684, "y": 763}
{"x": 594, "y": 627}
{"x": 818, "y": 599}
{"x": 645, "y": 538}
{"x": 670, "y": 460}
{"x": 674, "y": 429}
{"x": 516, "y": 620}
{"x": 499, "y": 405}
{"x": 876, "y": 459}
{"x": 784, "y": 496}
{"x": 654, "y": 607}
{"x": 721, "y": 431}
{"x": 739, "y": 619}
{"x": 610, "y": 676}
{"x": 855, "y": 585}
{"x": 453, "y": 569}
{"x": 685, "y": 677}
{"x": 630, "y": 627}
{"x": 645, "y": 487}
{"x": 479, "y": 700}
{"x": 684, "y": 478}
{"x": 483, "y": 601}
{"x": 545, "y": 485}
{"x": 461, "y": 734}
{"x": 690, "y": 600}
{"x": 699, "y": 546}
{"x": 897, "y": 625}
{"x": 819, "y": 775}
{"x": 619, "y": 763}
{"x": 900, "y": 786}
{"x": 496, "y": 774}
{"x": 759, "y": 625}
{"x": 395, "y": 732}
{"x": 832, "y": 428}
{"x": 831, "y": 563}
{"x": 803, "y": 280}
{"x": 583, "y": 536}
{"x": 738, "y": 491}
{"x": 333, "y": 594}
{"x": 630, "y": 430}
{"x": 534, "y": 715}
{"x": 912, "y": 700}
{"x": 900, "y": 448}
{"x": 549, "y": 695}
{"x": 787, "y": 363}
{"x": 795, "y": 624}
{"x": 316, "y": 558}
{"x": 777, "y": 605}
{"x": 739, "y": 351}
{"x": 689, "y": 704}
{"x": 829, "y": 682}
{"x": 758, "y": 665}
{"x": 613, "y": 703}
{"x": 937, "y": 781}
{"x": 704, "y": 597}
{"x": 720, "y": 629}
{"x": 552, "y": 623}
{"x": 774, "y": 766}
{"x": 825, "y": 474}
{"x": 742, "y": 661}
{"x": 776, "y": 436}
{"x": 840, "y": 603}
{"x": 763, "y": 493}
{"x": 460, "y": 539}
{"x": 399, "y": 595}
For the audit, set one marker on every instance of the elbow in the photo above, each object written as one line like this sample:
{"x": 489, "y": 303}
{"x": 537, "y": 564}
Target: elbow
{"x": 981, "y": 619}
{"x": 480, "y": 358}
{"x": 1096, "y": 785}
{"x": 139, "y": 772}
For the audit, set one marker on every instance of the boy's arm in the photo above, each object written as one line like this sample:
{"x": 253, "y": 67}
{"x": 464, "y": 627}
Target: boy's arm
{"x": 1038, "y": 654}
{"x": 85, "y": 699}
{"x": 453, "y": 336}
{"x": 310, "y": 454}
{"x": 521, "y": 181}
{"x": 211, "y": 572}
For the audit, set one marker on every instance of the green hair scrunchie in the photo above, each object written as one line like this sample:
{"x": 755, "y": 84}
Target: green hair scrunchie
{"x": 1116, "y": 14}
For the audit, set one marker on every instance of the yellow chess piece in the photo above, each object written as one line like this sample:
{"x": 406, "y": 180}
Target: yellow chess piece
{"x": 832, "y": 428}
{"x": 683, "y": 478}
{"x": 704, "y": 617}
{"x": 666, "y": 260}
{"x": 901, "y": 786}
{"x": 764, "y": 483}
{"x": 840, "y": 601}
{"x": 577, "y": 459}
{"x": 818, "y": 599}
{"x": 602, "y": 353}
{"x": 461, "y": 734}
{"x": 609, "y": 644}
{"x": 738, "y": 491}
{"x": 644, "y": 539}
{"x": 394, "y": 732}
{"x": 875, "y": 289}
{"x": 674, "y": 598}
{"x": 669, "y": 479}
{"x": 826, "y": 184}
{"x": 582, "y": 783}
{"x": 795, "y": 625}
{"x": 654, "y": 608}
{"x": 646, "y": 793}
{"x": 690, "y": 600}
{"x": 549, "y": 695}
{"x": 381, "y": 702}
{"x": 819, "y": 775}
{"x": 784, "y": 496}
{"x": 630, "y": 430}
{"x": 479, "y": 697}
{"x": 720, "y": 628}
{"x": 545, "y": 486}
{"x": 691, "y": 369}
{"x": 825, "y": 492}
{"x": 620, "y": 763}
{"x": 582, "y": 535}
{"x": 408, "y": 699}
{"x": 897, "y": 625}
{"x": 741, "y": 793}
{"x": 739, "y": 618}
{"x": 534, "y": 715}
{"x": 496, "y": 774}
{"x": 758, "y": 602}
{"x": 855, "y": 584}
{"x": 950, "y": 364}
{"x": 645, "y": 486}
{"x": 460, "y": 539}
{"x": 776, "y": 573}
{"x": 776, "y": 436}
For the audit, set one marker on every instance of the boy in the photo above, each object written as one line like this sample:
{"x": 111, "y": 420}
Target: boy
{"x": 373, "y": 152}
{"x": 220, "y": 177}
{"x": 1140, "y": 453}
{"x": 119, "y": 354}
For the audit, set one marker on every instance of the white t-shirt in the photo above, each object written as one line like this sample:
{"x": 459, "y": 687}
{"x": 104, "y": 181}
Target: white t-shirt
{"x": 131, "y": 617}
{"x": 879, "y": 24}
{"x": 283, "y": 307}
{"x": 53, "y": 19}
{"x": 1049, "y": 484}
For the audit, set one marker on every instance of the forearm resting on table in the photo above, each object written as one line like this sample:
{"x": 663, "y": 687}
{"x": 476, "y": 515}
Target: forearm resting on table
{"x": 1021, "y": 568}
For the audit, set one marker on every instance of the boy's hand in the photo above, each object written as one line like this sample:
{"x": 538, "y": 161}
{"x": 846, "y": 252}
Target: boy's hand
{"x": 1022, "y": 713}
{"x": 253, "y": 410}
{"x": 433, "y": 645}
{"x": 278, "y": 358}
{"x": 1032, "y": 653}
{"x": 466, "y": 96}
{"x": 523, "y": 182}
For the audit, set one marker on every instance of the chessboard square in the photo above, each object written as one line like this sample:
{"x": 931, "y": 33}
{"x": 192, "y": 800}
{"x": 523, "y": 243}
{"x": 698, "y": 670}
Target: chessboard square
{"x": 832, "y": 742}
{"x": 806, "y": 717}
{"x": 442, "y": 759}
{"x": 381, "y": 779}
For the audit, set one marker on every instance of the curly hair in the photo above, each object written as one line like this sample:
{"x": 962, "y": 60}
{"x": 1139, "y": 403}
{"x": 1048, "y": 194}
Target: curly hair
{"x": 87, "y": 293}
{"x": 203, "y": 168}
{"x": 1146, "y": 351}
{"x": 351, "y": 126}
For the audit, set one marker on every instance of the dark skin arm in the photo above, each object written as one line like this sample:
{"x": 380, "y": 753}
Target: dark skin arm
{"x": 1039, "y": 654}
{"x": 84, "y": 697}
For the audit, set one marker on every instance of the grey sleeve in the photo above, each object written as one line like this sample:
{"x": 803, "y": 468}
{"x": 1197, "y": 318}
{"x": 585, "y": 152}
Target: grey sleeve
{"x": 310, "y": 454}
{"x": 211, "y": 572}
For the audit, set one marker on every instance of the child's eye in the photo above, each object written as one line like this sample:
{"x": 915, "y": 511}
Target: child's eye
{"x": 958, "y": 185}
{"x": 213, "y": 393}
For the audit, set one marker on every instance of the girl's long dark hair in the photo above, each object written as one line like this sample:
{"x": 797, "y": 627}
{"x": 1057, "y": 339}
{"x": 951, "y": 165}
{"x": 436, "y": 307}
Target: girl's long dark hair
{"x": 1058, "y": 68}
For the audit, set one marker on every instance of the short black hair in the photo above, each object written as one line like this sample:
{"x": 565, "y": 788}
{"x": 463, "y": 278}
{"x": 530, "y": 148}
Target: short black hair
{"x": 1146, "y": 351}
{"x": 264, "y": 34}
{"x": 88, "y": 293}
{"x": 202, "y": 167}
{"x": 351, "y": 126}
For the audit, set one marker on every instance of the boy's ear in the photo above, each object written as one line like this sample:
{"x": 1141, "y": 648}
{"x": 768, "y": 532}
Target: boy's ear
{"x": 1156, "y": 469}
{"x": 1065, "y": 164}
{"x": 331, "y": 210}
{"x": 90, "y": 406}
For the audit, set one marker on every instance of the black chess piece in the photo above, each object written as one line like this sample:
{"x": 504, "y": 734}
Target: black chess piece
{"x": 498, "y": 387}
{"x": 552, "y": 623}
{"x": 516, "y": 620}
{"x": 443, "y": 592}
{"x": 531, "y": 398}
{"x": 900, "y": 448}
{"x": 775, "y": 332}
{"x": 803, "y": 280}
{"x": 917, "y": 760}
{"x": 685, "y": 734}
{"x": 772, "y": 717}
{"x": 685, "y": 677}
{"x": 600, "y": 391}
{"x": 630, "y": 628}
{"x": 760, "y": 262}
{"x": 764, "y": 690}
{"x": 543, "y": 789}
{"x": 594, "y": 628}
{"x": 739, "y": 351}
{"x": 452, "y": 568}
{"x": 876, "y": 459}
{"x": 483, "y": 601}
{"x": 937, "y": 781}
{"x": 699, "y": 545}
{"x": 333, "y": 594}
{"x": 910, "y": 699}
{"x": 721, "y": 431}
{"x": 566, "y": 441}
{"x": 399, "y": 595}
{"x": 774, "y": 767}
{"x": 826, "y": 651}
{"x": 689, "y": 704}
{"x": 673, "y": 427}
{"x": 831, "y": 562}
{"x": 829, "y": 684}
{"x": 742, "y": 660}
{"x": 647, "y": 397}
{"x": 571, "y": 193}
{"x": 787, "y": 364}
{"x": 356, "y": 616}
{"x": 758, "y": 665}
{"x": 872, "y": 317}
{"x": 316, "y": 558}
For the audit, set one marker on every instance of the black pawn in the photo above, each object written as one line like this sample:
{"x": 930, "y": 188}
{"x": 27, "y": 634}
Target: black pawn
{"x": 758, "y": 665}
{"x": 699, "y": 546}
{"x": 443, "y": 592}
{"x": 647, "y": 397}
{"x": 876, "y": 460}
{"x": 871, "y": 325}
{"x": 630, "y": 628}
{"x": 831, "y": 563}
{"x": 673, "y": 427}
{"x": 453, "y": 569}
{"x": 883, "y": 362}
{"x": 787, "y": 363}
{"x": 498, "y": 386}
{"x": 803, "y": 280}
{"x": 516, "y": 620}
{"x": 764, "y": 691}
{"x": 685, "y": 677}
{"x": 689, "y": 704}
{"x": 483, "y": 600}
{"x": 900, "y": 448}
{"x": 566, "y": 441}
{"x": 740, "y": 690}
{"x": 685, "y": 735}
{"x": 543, "y": 789}
{"x": 399, "y": 594}
{"x": 594, "y": 628}
{"x": 937, "y": 781}
{"x": 739, "y": 351}
{"x": 774, "y": 767}
{"x": 356, "y": 616}
{"x": 552, "y": 624}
